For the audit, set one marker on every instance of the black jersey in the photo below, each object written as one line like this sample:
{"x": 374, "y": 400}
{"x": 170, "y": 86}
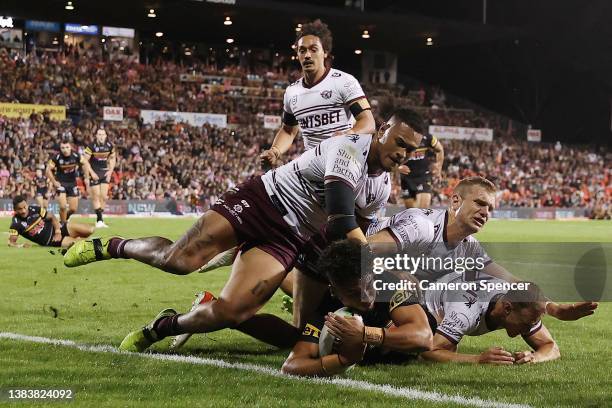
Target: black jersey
{"x": 66, "y": 167}
{"x": 41, "y": 182}
{"x": 379, "y": 316}
{"x": 418, "y": 160}
{"x": 34, "y": 226}
{"x": 99, "y": 152}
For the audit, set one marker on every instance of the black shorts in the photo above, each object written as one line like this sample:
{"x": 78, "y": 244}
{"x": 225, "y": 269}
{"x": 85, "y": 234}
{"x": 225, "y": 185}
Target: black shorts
{"x": 258, "y": 223}
{"x": 70, "y": 189}
{"x": 64, "y": 235}
{"x": 411, "y": 185}
{"x": 42, "y": 192}
{"x": 101, "y": 178}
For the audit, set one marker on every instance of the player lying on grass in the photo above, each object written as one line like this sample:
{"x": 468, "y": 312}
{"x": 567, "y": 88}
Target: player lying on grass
{"x": 476, "y": 312}
{"x": 369, "y": 336}
{"x": 403, "y": 321}
{"x": 41, "y": 227}
{"x": 272, "y": 217}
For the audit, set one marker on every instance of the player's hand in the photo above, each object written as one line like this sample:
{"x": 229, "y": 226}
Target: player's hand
{"x": 496, "y": 355}
{"x": 574, "y": 311}
{"x": 57, "y": 185}
{"x": 269, "y": 158}
{"x": 108, "y": 175}
{"x": 26, "y": 245}
{"x": 403, "y": 169}
{"x": 94, "y": 177}
{"x": 348, "y": 330}
{"x": 57, "y": 236}
{"x": 436, "y": 172}
{"x": 524, "y": 357}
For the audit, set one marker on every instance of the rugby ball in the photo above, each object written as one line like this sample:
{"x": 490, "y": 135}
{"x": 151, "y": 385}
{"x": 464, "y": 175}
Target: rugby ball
{"x": 326, "y": 340}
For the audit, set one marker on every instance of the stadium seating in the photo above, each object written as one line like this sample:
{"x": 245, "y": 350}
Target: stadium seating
{"x": 197, "y": 164}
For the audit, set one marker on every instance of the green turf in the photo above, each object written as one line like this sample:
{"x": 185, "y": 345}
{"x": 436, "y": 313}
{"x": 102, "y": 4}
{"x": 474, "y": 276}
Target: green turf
{"x": 100, "y": 303}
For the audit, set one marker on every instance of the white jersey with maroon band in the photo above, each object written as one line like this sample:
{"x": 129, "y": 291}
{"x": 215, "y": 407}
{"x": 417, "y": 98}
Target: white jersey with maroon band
{"x": 422, "y": 233}
{"x": 464, "y": 313}
{"x": 298, "y": 187}
{"x": 321, "y": 109}
{"x": 373, "y": 196}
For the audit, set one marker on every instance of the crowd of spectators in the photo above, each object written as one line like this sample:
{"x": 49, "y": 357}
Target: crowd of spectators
{"x": 197, "y": 164}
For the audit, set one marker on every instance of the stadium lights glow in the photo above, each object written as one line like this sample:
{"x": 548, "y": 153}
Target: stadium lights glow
{"x": 298, "y": 28}
{"x": 357, "y": 51}
{"x": 365, "y": 34}
{"x": 429, "y": 41}
{"x": 55, "y": 42}
{"x": 69, "y": 6}
{"x": 152, "y": 13}
{"x": 229, "y": 40}
{"x": 65, "y": 36}
{"x": 159, "y": 34}
{"x": 103, "y": 40}
{"x": 228, "y": 21}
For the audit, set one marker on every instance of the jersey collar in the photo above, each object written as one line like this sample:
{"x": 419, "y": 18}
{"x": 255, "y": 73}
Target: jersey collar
{"x": 308, "y": 86}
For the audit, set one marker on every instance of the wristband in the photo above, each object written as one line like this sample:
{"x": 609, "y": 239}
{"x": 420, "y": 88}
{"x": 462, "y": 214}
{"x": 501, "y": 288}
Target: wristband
{"x": 374, "y": 336}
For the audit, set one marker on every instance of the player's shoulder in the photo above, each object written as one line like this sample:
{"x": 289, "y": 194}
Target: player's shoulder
{"x": 295, "y": 84}
{"x": 352, "y": 139}
{"x": 417, "y": 218}
{"x": 336, "y": 74}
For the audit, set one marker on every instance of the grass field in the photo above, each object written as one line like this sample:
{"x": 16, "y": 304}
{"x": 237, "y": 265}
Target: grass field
{"x": 98, "y": 304}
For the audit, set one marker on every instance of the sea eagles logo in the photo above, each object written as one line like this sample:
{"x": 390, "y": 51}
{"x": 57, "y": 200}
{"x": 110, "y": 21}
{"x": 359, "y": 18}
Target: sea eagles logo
{"x": 294, "y": 100}
{"x": 353, "y": 138}
{"x": 326, "y": 94}
{"x": 336, "y": 74}
{"x": 427, "y": 211}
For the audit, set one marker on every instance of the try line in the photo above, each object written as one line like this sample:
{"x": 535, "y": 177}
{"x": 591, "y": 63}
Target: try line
{"x": 399, "y": 392}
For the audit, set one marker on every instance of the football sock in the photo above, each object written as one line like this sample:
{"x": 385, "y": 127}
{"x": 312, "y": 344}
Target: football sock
{"x": 116, "y": 247}
{"x": 99, "y": 214}
{"x": 167, "y": 326}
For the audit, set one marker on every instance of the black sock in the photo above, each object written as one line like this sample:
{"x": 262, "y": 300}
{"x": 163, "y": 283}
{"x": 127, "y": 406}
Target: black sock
{"x": 70, "y": 212}
{"x": 167, "y": 326}
{"x": 116, "y": 247}
{"x": 99, "y": 214}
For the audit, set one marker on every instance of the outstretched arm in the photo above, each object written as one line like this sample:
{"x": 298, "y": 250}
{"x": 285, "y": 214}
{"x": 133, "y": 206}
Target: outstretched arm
{"x": 559, "y": 311}
{"x": 445, "y": 351}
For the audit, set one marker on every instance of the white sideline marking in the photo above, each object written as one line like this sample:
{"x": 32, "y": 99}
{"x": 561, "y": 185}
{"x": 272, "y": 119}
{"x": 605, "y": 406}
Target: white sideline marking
{"x": 400, "y": 392}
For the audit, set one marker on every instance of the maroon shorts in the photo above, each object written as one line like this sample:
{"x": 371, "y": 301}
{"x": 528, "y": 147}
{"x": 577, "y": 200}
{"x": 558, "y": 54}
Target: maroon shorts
{"x": 258, "y": 222}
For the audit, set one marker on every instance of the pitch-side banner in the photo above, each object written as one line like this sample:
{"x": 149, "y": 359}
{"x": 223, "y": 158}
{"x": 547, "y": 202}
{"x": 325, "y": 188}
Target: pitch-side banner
{"x": 272, "y": 121}
{"x": 461, "y": 133}
{"x": 112, "y": 113}
{"x": 23, "y": 110}
{"x": 193, "y": 118}
{"x": 534, "y": 135}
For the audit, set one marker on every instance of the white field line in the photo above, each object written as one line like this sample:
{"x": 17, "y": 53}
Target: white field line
{"x": 390, "y": 390}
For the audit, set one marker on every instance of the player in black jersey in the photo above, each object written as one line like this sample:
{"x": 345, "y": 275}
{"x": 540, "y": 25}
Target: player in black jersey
{"x": 101, "y": 156}
{"x": 390, "y": 329}
{"x": 62, "y": 171}
{"x": 41, "y": 188}
{"x": 417, "y": 184}
{"x": 41, "y": 227}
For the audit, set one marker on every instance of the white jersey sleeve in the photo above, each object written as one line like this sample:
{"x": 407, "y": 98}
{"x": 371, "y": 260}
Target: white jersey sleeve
{"x": 410, "y": 230}
{"x": 350, "y": 90}
{"x": 373, "y": 196}
{"x": 346, "y": 159}
{"x": 288, "y": 117}
{"x": 460, "y": 319}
